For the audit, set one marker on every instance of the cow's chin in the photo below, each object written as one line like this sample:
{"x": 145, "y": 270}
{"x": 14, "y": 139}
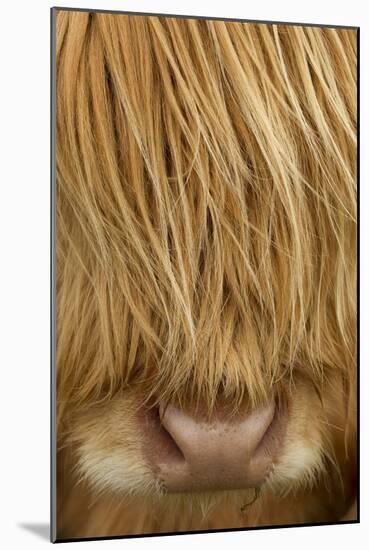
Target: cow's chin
{"x": 113, "y": 453}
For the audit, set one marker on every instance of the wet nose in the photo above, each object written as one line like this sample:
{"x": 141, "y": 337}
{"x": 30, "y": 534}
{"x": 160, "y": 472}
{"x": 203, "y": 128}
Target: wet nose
{"x": 218, "y": 453}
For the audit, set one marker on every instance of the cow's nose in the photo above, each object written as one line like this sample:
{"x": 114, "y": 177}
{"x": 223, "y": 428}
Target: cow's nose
{"x": 221, "y": 452}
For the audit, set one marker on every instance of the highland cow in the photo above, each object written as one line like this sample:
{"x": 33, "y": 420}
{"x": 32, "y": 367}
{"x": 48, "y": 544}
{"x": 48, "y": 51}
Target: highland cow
{"x": 205, "y": 274}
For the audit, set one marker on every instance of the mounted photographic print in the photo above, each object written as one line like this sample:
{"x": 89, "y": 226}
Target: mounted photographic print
{"x": 204, "y": 176}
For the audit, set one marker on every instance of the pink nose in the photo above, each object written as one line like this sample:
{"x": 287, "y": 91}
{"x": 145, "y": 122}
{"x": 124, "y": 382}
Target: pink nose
{"x": 223, "y": 452}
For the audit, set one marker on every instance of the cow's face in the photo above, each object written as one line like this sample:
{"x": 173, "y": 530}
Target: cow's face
{"x": 206, "y": 253}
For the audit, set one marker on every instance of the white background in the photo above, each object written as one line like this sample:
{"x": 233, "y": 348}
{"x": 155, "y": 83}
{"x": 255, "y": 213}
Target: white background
{"x": 24, "y": 269}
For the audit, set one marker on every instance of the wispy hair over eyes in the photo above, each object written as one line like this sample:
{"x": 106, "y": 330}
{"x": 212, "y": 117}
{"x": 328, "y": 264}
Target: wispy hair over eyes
{"x": 206, "y": 207}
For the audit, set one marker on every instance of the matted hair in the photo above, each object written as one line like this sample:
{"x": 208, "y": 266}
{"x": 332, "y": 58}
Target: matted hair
{"x": 206, "y": 206}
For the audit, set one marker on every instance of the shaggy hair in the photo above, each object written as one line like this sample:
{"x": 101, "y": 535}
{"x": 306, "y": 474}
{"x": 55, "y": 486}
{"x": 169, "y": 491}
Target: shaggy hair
{"x": 205, "y": 236}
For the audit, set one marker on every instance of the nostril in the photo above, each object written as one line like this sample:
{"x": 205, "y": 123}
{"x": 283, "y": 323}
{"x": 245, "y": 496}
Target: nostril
{"x": 177, "y": 426}
{"x": 271, "y": 440}
{"x": 169, "y": 446}
{"x": 162, "y": 446}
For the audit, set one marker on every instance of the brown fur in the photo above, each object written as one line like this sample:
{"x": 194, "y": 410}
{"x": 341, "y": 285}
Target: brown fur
{"x": 206, "y": 206}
